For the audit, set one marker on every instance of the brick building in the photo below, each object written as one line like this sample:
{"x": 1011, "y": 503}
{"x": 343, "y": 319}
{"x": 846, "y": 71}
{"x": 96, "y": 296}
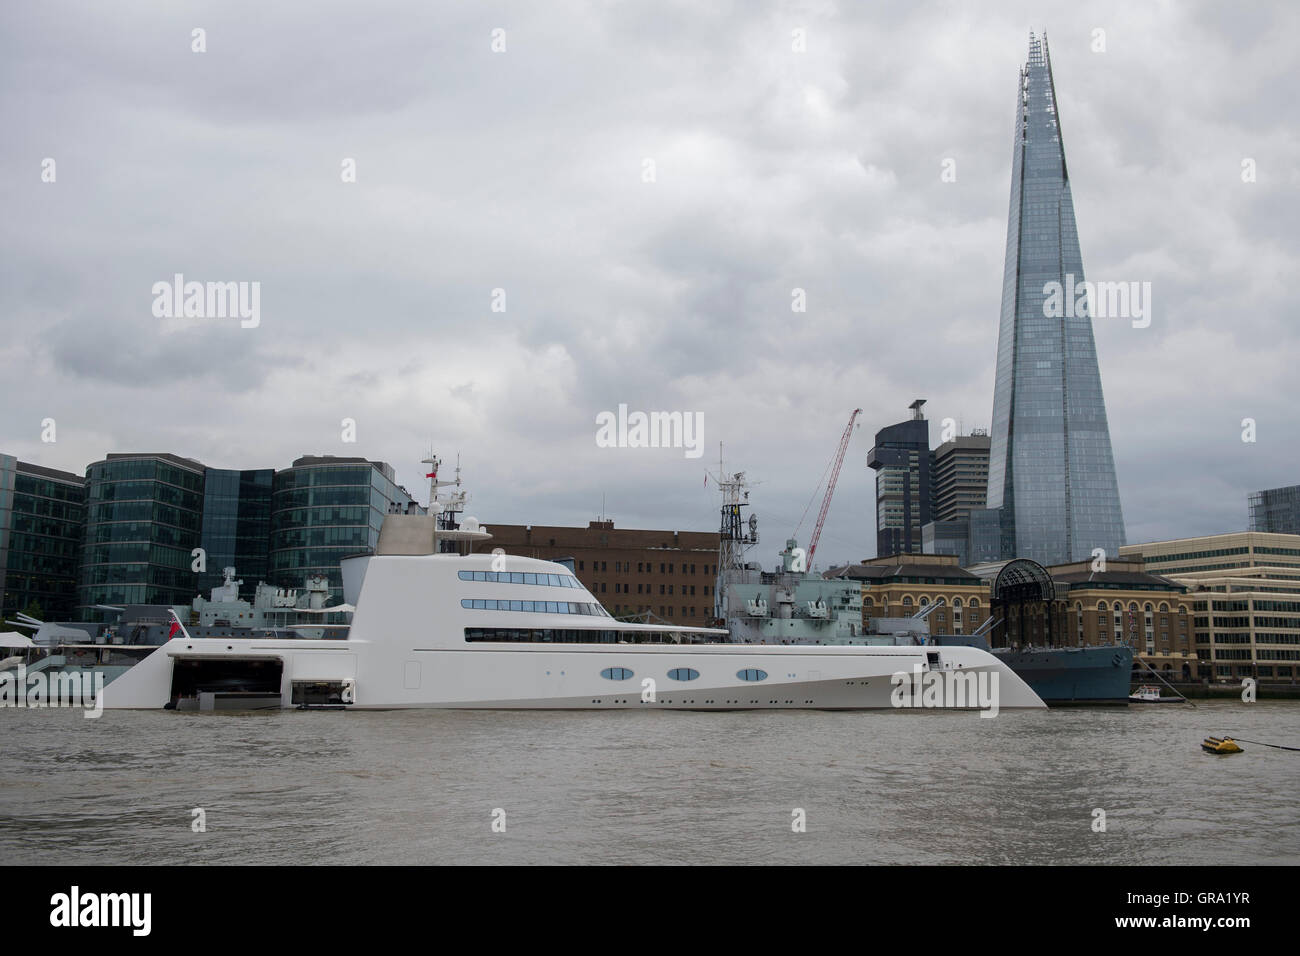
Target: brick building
{"x": 670, "y": 574}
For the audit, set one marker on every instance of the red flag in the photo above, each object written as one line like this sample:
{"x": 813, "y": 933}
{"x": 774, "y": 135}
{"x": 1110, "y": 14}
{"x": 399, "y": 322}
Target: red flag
{"x": 176, "y": 625}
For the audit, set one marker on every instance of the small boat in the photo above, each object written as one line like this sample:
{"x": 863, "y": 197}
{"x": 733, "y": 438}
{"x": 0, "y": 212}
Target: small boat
{"x": 1220, "y": 745}
{"x": 1150, "y": 694}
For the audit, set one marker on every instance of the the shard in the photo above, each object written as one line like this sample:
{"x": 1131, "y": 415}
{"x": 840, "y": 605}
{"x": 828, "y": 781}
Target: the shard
{"x": 1051, "y": 470}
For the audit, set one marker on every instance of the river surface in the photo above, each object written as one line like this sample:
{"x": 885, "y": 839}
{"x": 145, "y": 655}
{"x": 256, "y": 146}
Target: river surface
{"x": 660, "y": 787}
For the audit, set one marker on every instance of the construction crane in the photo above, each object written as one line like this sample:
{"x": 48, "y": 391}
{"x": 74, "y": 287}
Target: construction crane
{"x": 830, "y": 485}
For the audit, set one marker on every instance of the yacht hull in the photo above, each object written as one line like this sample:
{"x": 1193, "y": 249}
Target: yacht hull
{"x": 639, "y": 678}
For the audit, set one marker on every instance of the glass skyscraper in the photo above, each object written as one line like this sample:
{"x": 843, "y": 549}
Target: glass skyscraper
{"x": 1051, "y": 470}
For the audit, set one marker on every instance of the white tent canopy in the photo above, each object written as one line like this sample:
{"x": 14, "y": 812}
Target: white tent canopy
{"x": 14, "y": 639}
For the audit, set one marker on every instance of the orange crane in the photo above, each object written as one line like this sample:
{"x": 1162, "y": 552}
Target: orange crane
{"x": 830, "y": 486}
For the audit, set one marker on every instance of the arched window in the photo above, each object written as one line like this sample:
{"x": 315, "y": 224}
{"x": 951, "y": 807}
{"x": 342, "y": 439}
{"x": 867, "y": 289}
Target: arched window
{"x": 1164, "y": 606}
{"x": 924, "y": 600}
{"x": 907, "y": 601}
{"x": 974, "y": 602}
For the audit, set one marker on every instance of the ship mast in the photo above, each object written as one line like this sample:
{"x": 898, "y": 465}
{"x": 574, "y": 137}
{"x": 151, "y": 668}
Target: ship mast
{"x": 733, "y": 538}
{"x": 447, "y": 507}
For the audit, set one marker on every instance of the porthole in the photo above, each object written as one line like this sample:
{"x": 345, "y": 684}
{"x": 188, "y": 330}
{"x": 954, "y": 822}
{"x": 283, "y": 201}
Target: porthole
{"x": 683, "y": 673}
{"x": 752, "y": 673}
{"x": 616, "y": 673}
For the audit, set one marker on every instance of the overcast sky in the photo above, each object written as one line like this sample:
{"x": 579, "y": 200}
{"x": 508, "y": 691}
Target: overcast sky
{"x": 524, "y": 170}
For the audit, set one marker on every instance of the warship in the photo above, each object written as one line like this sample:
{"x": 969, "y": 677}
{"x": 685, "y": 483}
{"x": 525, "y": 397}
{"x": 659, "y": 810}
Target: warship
{"x": 793, "y": 605}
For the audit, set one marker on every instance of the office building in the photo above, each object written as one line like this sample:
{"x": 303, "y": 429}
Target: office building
{"x": 236, "y": 527}
{"x": 960, "y": 476}
{"x": 901, "y": 460}
{"x": 1051, "y": 468}
{"x": 144, "y": 518}
{"x": 324, "y": 508}
{"x": 42, "y": 515}
{"x": 1276, "y": 510}
{"x": 1245, "y": 593}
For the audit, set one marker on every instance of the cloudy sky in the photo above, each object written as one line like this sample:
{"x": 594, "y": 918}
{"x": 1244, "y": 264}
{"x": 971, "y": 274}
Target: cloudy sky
{"x": 525, "y": 170}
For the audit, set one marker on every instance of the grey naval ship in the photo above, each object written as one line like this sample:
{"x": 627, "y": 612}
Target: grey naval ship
{"x": 793, "y": 605}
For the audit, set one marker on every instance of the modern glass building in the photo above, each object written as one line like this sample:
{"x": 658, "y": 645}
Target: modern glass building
{"x": 1051, "y": 469}
{"x": 1276, "y": 510}
{"x": 236, "y": 527}
{"x": 324, "y": 509}
{"x": 144, "y": 517}
{"x": 42, "y": 512}
{"x": 901, "y": 460}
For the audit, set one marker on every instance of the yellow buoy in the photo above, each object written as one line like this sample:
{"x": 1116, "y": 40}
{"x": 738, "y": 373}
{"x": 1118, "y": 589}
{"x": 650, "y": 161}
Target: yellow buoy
{"x": 1220, "y": 745}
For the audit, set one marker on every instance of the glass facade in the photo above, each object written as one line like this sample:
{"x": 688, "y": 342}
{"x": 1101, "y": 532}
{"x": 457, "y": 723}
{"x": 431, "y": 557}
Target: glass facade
{"x": 42, "y": 512}
{"x": 1276, "y": 510}
{"x": 144, "y": 516}
{"x": 1051, "y": 469}
{"x": 236, "y": 527}
{"x": 324, "y": 509}
{"x": 901, "y": 459}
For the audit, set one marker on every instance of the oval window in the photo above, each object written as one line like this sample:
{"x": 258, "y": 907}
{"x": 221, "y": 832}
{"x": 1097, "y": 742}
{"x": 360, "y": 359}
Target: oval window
{"x": 616, "y": 673}
{"x": 752, "y": 673}
{"x": 683, "y": 673}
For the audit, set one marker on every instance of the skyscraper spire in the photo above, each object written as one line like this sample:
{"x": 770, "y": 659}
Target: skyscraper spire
{"x": 1051, "y": 469}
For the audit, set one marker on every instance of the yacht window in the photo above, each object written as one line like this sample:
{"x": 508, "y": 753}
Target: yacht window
{"x": 752, "y": 673}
